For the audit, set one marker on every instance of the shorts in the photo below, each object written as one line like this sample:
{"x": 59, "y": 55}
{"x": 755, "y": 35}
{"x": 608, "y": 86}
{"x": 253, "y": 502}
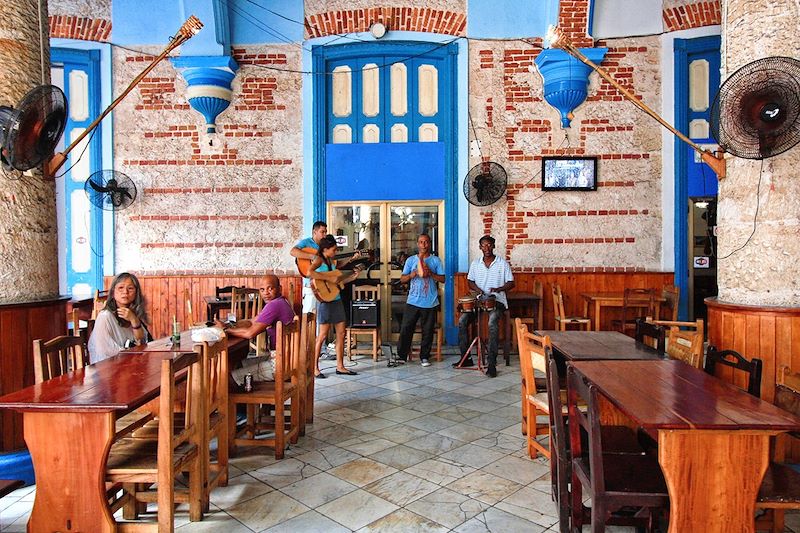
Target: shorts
{"x": 330, "y": 312}
{"x": 309, "y": 301}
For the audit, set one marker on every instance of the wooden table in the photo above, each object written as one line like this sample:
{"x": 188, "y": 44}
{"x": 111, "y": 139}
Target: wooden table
{"x": 69, "y": 427}
{"x": 713, "y": 438}
{"x": 596, "y": 345}
{"x": 526, "y": 305}
{"x": 595, "y": 301}
{"x": 214, "y": 305}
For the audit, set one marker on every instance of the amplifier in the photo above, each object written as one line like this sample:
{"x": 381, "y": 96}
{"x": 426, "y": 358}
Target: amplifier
{"x": 364, "y": 313}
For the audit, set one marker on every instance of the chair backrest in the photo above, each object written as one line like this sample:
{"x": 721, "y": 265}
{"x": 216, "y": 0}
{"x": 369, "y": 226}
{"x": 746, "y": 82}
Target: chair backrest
{"x": 684, "y": 344}
{"x": 288, "y": 361}
{"x": 100, "y": 298}
{"x": 650, "y": 334}
{"x": 227, "y": 290}
{"x": 213, "y": 417}
{"x": 632, "y": 307}
{"x": 558, "y": 302}
{"x": 560, "y": 467}
{"x": 366, "y": 293}
{"x": 77, "y": 330}
{"x": 538, "y": 289}
{"x": 734, "y": 361}
{"x": 187, "y": 300}
{"x": 787, "y": 390}
{"x": 580, "y": 393}
{"x": 533, "y": 351}
{"x": 58, "y": 356}
{"x": 308, "y": 340}
{"x": 245, "y": 303}
{"x": 672, "y": 297}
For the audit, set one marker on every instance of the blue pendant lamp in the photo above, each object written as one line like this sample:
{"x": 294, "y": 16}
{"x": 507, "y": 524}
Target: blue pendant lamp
{"x": 209, "y": 79}
{"x": 566, "y": 80}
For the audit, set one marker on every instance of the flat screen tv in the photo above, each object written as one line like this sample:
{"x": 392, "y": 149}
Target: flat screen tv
{"x": 569, "y": 173}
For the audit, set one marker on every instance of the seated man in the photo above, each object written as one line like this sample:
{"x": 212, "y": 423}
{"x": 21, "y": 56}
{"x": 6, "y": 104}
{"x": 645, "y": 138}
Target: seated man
{"x": 488, "y": 275}
{"x": 276, "y": 308}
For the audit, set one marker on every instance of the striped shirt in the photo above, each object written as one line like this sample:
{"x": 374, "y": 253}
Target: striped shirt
{"x": 496, "y": 275}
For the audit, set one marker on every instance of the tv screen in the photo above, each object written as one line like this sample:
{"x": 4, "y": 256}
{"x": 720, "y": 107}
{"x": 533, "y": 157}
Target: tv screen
{"x": 569, "y": 173}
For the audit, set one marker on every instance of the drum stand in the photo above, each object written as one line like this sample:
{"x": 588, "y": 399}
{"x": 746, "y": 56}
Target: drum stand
{"x": 477, "y": 342}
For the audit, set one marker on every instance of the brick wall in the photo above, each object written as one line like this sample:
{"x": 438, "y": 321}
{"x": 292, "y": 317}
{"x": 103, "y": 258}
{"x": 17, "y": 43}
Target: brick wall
{"x": 405, "y": 18}
{"x": 684, "y": 15}
{"x": 221, "y": 204}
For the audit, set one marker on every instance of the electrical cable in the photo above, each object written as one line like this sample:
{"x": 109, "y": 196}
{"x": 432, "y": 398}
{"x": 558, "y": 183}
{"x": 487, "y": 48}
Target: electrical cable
{"x": 755, "y": 216}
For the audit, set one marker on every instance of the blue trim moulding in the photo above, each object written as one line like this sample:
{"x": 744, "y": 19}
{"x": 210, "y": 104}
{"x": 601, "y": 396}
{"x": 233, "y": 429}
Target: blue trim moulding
{"x": 566, "y": 80}
{"x": 209, "y": 79}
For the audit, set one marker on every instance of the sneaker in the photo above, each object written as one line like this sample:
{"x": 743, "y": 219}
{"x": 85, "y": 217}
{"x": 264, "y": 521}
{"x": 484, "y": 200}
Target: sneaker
{"x": 491, "y": 372}
{"x": 425, "y": 362}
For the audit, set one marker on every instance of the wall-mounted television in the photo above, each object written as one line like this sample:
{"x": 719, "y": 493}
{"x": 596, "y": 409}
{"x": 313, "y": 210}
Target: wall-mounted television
{"x": 569, "y": 173}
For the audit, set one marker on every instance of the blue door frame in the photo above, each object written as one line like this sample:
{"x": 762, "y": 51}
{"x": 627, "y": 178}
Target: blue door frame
{"x": 410, "y": 52}
{"x": 684, "y": 49}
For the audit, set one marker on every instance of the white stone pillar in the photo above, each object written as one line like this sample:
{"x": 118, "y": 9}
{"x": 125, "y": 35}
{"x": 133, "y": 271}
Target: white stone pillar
{"x": 28, "y": 249}
{"x": 766, "y": 271}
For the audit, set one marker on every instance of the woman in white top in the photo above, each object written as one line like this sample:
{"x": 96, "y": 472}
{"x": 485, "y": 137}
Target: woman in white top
{"x": 121, "y": 323}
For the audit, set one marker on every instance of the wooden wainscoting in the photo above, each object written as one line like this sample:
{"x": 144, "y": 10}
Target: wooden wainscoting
{"x": 20, "y": 324}
{"x": 573, "y": 284}
{"x": 164, "y": 295}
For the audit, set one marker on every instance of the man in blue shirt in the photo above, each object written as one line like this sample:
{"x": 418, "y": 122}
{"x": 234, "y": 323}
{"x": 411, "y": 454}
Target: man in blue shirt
{"x": 422, "y": 272}
{"x": 318, "y": 231}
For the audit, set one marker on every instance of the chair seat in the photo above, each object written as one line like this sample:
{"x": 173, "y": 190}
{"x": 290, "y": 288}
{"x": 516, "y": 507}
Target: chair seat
{"x": 129, "y": 456}
{"x": 781, "y": 485}
{"x": 262, "y": 389}
{"x": 575, "y": 319}
{"x": 638, "y": 475}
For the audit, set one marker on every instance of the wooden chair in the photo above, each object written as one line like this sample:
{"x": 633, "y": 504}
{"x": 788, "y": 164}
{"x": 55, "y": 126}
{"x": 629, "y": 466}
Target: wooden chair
{"x": 100, "y": 298}
{"x": 369, "y": 293}
{"x": 532, "y": 356}
{"x": 632, "y": 308}
{"x": 530, "y": 321}
{"x": 735, "y": 362}
{"x": 225, "y": 292}
{"x": 308, "y": 337}
{"x": 190, "y": 319}
{"x": 139, "y": 463}
{"x": 7, "y": 486}
{"x": 437, "y": 333}
{"x": 561, "y": 318}
{"x": 672, "y": 298}
{"x": 684, "y": 344}
{"x": 78, "y": 330}
{"x": 58, "y": 356}
{"x": 612, "y": 481}
{"x": 289, "y": 363}
{"x": 650, "y": 334}
{"x": 780, "y": 489}
{"x": 245, "y": 305}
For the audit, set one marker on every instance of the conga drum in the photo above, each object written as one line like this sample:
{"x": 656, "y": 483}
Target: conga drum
{"x": 487, "y": 302}
{"x": 467, "y": 304}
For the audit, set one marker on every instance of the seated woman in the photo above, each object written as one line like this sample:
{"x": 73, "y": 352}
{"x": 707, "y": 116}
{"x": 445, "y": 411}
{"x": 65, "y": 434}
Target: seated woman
{"x": 121, "y": 323}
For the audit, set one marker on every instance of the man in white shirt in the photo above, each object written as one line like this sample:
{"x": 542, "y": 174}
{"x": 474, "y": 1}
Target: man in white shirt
{"x": 488, "y": 275}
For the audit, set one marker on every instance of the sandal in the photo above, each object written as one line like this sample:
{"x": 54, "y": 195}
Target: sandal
{"x": 320, "y": 376}
{"x": 346, "y": 373}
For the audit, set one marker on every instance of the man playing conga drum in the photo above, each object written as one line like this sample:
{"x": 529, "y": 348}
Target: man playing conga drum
{"x": 488, "y": 275}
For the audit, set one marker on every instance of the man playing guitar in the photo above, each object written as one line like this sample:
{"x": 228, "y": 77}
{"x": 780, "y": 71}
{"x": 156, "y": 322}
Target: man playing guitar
{"x": 324, "y": 272}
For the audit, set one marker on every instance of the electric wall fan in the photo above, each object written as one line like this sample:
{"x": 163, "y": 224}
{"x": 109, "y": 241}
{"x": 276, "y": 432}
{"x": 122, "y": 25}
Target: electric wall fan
{"x": 485, "y": 183}
{"x": 756, "y": 111}
{"x": 110, "y": 190}
{"x": 30, "y": 132}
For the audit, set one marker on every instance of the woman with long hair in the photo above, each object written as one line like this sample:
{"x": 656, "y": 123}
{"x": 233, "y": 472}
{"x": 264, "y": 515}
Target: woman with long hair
{"x": 324, "y": 268}
{"x": 122, "y": 322}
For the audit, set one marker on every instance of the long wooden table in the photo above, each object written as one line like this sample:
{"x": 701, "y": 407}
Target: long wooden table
{"x": 69, "y": 428}
{"x": 713, "y": 438}
{"x": 594, "y": 345}
{"x": 595, "y": 301}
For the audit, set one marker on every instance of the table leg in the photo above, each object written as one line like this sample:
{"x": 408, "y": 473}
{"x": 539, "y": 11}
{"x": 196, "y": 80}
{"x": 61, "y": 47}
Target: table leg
{"x": 597, "y": 316}
{"x": 539, "y": 315}
{"x": 69, "y": 453}
{"x": 713, "y": 478}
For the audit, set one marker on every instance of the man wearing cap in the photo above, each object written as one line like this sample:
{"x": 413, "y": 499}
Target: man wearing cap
{"x": 488, "y": 275}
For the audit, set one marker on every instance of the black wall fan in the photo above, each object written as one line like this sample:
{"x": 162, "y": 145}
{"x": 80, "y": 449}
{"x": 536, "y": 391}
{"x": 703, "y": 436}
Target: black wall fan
{"x": 110, "y": 190}
{"x": 30, "y": 132}
{"x": 485, "y": 183}
{"x": 756, "y": 113}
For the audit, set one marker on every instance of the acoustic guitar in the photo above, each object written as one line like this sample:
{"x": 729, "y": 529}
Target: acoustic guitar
{"x": 304, "y": 265}
{"x": 328, "y": 290}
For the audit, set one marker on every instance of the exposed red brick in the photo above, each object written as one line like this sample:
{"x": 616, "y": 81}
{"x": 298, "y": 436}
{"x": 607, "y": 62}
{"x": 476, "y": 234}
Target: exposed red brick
{"x": 422, "y": 19}
{"x": 82, "y": 28}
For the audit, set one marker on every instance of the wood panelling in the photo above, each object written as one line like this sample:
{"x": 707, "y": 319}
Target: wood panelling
{"x": 20, "y": 325}
{"x": 164, "y": 295}
{"x": 573, "y": 284}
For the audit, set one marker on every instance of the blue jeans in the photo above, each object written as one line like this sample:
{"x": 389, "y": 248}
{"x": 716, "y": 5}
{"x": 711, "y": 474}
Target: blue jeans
{"x": 494, "y": 329}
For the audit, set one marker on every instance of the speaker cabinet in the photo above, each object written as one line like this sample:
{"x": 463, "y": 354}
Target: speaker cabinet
{"x": 364, "y": 313}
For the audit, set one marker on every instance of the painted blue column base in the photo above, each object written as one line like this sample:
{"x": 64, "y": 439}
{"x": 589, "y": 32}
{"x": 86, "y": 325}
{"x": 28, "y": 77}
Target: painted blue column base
{"x": 17, "y": 465}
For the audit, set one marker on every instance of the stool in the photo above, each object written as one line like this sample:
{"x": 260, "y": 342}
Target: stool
{"x": 352, "y": 337}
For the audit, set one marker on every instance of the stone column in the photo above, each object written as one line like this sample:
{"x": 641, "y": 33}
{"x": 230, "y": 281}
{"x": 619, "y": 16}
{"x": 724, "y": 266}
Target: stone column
{"x": 758, "y": 306}
{"x": 28, "y": 250}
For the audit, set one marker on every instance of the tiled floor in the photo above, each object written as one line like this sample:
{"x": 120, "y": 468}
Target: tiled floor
{"x": 391, "y": 450}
